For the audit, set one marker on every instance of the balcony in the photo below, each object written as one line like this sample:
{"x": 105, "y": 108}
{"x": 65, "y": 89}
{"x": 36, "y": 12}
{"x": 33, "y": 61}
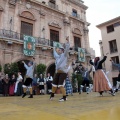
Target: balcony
{"x": 54, "y": 6}
{"x": 11, "y": 35}
{"x": 75, "y": 15}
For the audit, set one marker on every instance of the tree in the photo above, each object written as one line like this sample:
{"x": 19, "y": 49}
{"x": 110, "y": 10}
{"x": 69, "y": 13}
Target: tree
{"x": 0, "y": 68}
{"x": 41, "y": 69}
{"x": 11, "y": 69}
{"x": 77, "y": 81}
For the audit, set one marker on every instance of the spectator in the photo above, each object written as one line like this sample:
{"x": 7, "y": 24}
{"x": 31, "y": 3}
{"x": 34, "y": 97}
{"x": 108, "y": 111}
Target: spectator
{"x": 12, "y": 85}
{"x": 68, "y": 87}
{"x": 5, "y": 82}
{"x": 49, "y": 80}
{"x": 18, "y": 85}
{"x": 41, "y": 82}
{"x": 34, "y": 84}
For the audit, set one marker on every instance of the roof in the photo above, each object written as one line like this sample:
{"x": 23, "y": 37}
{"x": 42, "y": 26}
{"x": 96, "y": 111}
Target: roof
{"x": 107, "y": 22}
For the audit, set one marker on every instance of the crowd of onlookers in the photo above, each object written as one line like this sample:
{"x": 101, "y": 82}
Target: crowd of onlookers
{"x": 12, "y": 85}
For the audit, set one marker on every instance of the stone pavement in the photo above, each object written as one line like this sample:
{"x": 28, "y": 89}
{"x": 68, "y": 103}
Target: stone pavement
{"x": 78, "y": 107}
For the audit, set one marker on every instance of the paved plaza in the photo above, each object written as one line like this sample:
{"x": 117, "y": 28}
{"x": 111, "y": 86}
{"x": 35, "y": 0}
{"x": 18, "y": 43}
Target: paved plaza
{"x": 77, "y": 107}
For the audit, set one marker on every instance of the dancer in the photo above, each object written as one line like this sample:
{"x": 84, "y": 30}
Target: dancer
{"x": 86, "y": 80}
{"x": 29, "y": 77}
{"x": 100, "y": 81}
{"x": 61, "y": 57}
{"x": 118, "y": 79}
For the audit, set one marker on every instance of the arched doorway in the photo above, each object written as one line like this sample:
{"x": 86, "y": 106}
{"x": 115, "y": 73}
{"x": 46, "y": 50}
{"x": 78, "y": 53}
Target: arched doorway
{"x": 22, "y": 68}
{"x": 51, "y": 69}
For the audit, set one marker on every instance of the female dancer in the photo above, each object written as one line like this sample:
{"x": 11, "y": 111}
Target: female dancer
{"x": 100, "y": 81}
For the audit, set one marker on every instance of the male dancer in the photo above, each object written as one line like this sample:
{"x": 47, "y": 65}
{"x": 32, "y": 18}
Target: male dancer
{"x": 118, "y": 79}
{"x": 61, "y": 70}
{"x": 29, "y": 77}
{"x": 86, "y": 80}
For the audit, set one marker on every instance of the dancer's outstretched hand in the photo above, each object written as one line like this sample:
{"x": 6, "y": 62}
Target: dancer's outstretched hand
{"x": 67, "y": 39}
{"x": 111, "y": 60}
{"x": 23, "y": 62}
{"x": 107, "y": 53}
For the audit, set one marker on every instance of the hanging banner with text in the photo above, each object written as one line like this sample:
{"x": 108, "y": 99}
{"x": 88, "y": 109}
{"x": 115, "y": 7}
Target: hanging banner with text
{"x": 81, "y": 54}
{"x": 29, "y": 45}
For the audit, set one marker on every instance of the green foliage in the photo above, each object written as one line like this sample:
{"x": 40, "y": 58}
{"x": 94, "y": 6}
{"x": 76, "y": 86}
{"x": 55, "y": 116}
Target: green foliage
{"x": 76, "y": 80}
{"x": 0, "y": 68}
{"x": 41, "y": 69}
{"x": 11, "y": 69}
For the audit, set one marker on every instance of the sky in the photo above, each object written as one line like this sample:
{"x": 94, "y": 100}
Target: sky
{"x": 100, "y": 11}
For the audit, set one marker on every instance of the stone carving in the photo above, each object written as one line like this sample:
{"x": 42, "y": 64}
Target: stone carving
{"x": 28, "y": 15}
{"x": 1, "y": 9}
{"x": 77, "y": 31}
{"x": 54, "y": 24}
{"x": 42, "y": 12}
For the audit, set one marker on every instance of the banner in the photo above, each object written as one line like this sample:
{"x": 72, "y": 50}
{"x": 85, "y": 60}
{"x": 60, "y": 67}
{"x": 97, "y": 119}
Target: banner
{"x": 81, "y": 54}
{"x": 29, "y": 45}
{"x": 57, "y": 44}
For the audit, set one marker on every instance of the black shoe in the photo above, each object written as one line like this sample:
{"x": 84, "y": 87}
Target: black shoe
{"x": 112, "y": 92}
{"x": 31, "y": 96}
{"x": 116, "y": 90}
{"x": 51, "y": 96}
{"x": 101, "y": 93}
{"x": 23, "y": 95}
{"x": 63, "y": 99}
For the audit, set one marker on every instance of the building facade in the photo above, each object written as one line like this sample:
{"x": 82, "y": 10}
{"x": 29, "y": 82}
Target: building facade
{"x": 46, "y": 21}
{"x": 110, "y": 32}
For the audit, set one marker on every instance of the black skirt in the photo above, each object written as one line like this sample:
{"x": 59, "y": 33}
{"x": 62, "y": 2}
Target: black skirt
{"x": 41, "y": 87}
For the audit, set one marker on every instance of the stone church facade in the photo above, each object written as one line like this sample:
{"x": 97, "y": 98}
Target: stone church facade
{"x": 47, "y": 21}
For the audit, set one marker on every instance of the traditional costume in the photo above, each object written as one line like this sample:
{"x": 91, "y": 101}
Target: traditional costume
{"x": 100, "y": 81}
{"x": 61, "y": 72}
{"x": 29, "y": 77}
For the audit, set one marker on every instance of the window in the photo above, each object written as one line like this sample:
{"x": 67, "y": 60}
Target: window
{"x": 52, "y": 4}
{"x": 26, "y": 29}
{"x": 113, "y": 46}
{"x": 116, "y": 60}
{"x": 74, "y": 13}
{"x": 43, "y": 2}
{"x": 54, "y": 35}
{"x": 52, "y": 1}
{"x": 117, "y": 24}
{"x": 77, "y": 42}
{"x": 110, "y": 28}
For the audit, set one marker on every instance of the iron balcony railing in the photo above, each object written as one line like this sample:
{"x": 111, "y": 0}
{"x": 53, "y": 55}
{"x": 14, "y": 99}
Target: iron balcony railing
{"x": 41, "y": 41}
{"x": 17, "y": 36}
{"x": 75, "y": 15}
